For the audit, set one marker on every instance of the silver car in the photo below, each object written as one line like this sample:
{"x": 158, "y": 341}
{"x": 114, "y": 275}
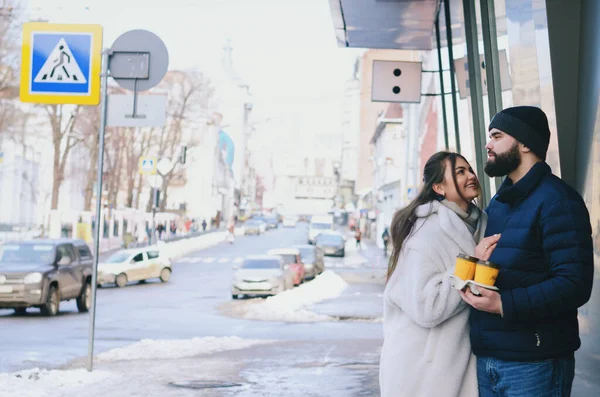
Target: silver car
{"x": 253, "y": 227}
{"x": 332, "y": 244}
{"x": 262, "y": 275}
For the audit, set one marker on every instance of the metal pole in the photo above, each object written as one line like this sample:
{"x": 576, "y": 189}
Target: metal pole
{"x": 476, "y": 92}
{"x": 154, "y": 205}
{"x": 452, "y": 73}
{"x": 104, "y": 79}
{"x": 492, "y": 63}
{"x": 439, "y": 51}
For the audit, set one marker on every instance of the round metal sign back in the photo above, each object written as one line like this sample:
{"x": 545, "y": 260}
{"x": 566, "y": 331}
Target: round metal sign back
{"x": 142, "y": 41}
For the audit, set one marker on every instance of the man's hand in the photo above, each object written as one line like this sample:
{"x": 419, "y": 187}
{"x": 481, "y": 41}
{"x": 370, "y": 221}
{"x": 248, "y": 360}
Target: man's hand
{"x": 489, "y": 301}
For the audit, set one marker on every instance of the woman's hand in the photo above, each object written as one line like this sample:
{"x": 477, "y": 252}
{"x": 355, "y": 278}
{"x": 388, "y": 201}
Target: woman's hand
{"x": 485, "y": 248}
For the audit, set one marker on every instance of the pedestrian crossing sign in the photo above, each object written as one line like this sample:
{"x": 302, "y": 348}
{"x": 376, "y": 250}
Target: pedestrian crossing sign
{"x": 147, "y": 165}
{"x": 60, "y": 63}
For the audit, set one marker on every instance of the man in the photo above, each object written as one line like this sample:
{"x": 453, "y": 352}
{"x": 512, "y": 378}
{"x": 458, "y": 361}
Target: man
{"x": 386, "y": 238}
{"x": 525, "y": 335}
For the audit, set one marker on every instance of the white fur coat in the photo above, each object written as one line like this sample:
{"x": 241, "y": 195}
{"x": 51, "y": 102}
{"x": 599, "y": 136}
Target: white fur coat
{"x": 426, "y": 350}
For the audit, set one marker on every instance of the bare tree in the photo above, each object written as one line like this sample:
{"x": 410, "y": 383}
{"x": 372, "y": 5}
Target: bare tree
{"x": 136, "y": 146}
{"x": 190, "y": 94}
{"x": 87, "y": 127}
{"x": 62, "y": 122}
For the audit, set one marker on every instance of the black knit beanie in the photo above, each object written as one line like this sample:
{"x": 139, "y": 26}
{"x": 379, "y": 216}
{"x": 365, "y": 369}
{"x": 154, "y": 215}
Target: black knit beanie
{"x": 528, "y": 125}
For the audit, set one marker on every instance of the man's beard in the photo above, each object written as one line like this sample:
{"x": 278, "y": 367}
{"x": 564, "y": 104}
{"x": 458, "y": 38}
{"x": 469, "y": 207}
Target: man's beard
{"x": 505, "y": 163}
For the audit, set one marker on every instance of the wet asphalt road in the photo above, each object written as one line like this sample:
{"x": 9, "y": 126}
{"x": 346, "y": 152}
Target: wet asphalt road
{"x": 185, "y": 307}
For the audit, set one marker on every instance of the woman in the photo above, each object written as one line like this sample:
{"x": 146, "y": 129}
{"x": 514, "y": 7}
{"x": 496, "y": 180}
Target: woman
{"x": 426, "y": 350}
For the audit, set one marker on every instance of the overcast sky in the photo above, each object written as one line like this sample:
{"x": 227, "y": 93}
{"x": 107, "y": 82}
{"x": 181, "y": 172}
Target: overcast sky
{"x": 285, "y": 49}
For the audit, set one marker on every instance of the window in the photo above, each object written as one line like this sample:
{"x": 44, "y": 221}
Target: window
{"x": 63, "y": 251}
{"x": 84, "y": 252}
{"x": 152, "y": 254}
{"x": 116, "y": 228}
{"x": 125, "y": 229}
{"x": 138, "y": 258}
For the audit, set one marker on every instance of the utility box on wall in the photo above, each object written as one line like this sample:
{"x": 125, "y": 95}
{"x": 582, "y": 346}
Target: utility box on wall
{"x": 396, "y": 81}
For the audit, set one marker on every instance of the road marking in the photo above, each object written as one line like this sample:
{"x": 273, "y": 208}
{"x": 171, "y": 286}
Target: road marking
{"x": 223, "y": 260}
{"x": 239, "y": 259}
{"x": 196, "y": 260}
{"x": 209, "y": 260}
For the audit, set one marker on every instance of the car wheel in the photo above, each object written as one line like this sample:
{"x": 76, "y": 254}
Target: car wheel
{"x": 52, "y": 305}
{"x": 84, "y": 300}
{"x": 343, "y": 253}
{"x": 121, "y": 280}
{"x": 234, "y": 296}
{"x": 19, "y": 311}
{"x": 165, "y": 274}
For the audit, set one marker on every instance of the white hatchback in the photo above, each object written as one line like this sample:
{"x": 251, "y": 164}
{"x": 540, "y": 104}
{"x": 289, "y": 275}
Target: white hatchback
{"x": 136, "y": 264}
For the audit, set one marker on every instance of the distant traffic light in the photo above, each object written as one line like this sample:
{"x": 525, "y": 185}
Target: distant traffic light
{"x": 183, "y": 155}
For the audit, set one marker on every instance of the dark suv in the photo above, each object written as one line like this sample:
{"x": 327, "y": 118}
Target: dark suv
{"x": 42, "y": 273}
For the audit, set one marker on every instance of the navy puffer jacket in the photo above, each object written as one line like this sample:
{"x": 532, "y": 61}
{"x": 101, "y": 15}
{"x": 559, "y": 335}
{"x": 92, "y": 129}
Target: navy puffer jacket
{"x": 546, "y": 270}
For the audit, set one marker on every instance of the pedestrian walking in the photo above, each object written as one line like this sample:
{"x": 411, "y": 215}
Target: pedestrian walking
{"x": 231, "y": 230}
{"x": 525, "y": 335}
{"x": 386, "y": 238}
{"x": 204, "y": 224}
{"x": 426, "y": 349}
{"x": 358, "y": 237}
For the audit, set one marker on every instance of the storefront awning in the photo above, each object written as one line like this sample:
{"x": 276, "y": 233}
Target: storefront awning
{"x": 394, "y": 24}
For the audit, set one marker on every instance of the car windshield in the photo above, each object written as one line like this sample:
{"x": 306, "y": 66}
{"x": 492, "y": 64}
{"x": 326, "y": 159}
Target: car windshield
{"x": 288, "y": 259}
{"x": 329, "y": 239}
{"x": 320, "y": 226}
{"x": 260, "y": 264}
{"x": 26, "y": 253}
{"x": 118, "y": 257}
{"x": 252, "y": 223}
{"x": 307, "y": 254}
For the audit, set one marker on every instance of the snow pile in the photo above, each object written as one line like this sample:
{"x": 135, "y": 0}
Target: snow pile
{"x": 291, "y": 305}
{"x": 171, "y": 349}
{"x": 180, "y": 248}
{"x": 43, "y": 383}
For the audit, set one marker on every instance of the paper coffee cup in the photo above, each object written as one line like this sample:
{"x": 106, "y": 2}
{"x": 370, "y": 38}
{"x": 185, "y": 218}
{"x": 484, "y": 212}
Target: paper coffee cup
{"x": 486, "y": 273}
{"x": 465, "y": 267}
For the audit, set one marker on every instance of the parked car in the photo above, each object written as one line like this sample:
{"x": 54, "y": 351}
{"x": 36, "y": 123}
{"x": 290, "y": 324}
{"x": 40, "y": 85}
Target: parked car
{"x": 254, "y": 227}
{"x": 332, "y": 243}
{"x": 42, "y": 273}
{"x": 135, "y": 264}
{"x": 290, "y": 221}
{"x": 319, "y": 224}
{"x": 291, "y": 259}
{"x": 312, "y": 257}
{"x": 262, "y": 276}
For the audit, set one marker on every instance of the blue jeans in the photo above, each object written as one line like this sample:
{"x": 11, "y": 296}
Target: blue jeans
{"x": 548, "y": 378}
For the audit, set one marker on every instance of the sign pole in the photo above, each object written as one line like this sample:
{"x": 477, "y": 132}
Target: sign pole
{"x": 104, "y": 82}
{"x": 154, "y": 205}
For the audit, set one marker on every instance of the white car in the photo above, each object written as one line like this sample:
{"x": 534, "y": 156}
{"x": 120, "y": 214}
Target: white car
{"x": 290, "y": 221}
{"x": 261, "y": 275}
{"x": 136, "y": 264}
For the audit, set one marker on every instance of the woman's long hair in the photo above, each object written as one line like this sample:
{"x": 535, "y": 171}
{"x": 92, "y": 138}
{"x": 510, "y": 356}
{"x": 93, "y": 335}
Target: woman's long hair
{"x": 405, "y": 218}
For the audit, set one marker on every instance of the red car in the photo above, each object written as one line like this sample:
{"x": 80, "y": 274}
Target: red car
{"x": 293, "y": 260}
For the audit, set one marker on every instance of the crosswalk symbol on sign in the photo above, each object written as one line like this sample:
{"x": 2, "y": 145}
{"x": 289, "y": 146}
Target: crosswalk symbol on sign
{"x": 147, "y": 165}
{"x": 60, "y": 67}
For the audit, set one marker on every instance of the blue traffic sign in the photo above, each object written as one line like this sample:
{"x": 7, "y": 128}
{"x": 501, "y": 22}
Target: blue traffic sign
{"x": 61, "y": 63}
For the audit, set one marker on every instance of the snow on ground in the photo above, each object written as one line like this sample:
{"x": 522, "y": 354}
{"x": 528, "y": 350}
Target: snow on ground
{"x": 291, "y": 305}
{"x": 74, "y": 382}
{"x": 171, "y": 349}
{"x": 43, "y": 383}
